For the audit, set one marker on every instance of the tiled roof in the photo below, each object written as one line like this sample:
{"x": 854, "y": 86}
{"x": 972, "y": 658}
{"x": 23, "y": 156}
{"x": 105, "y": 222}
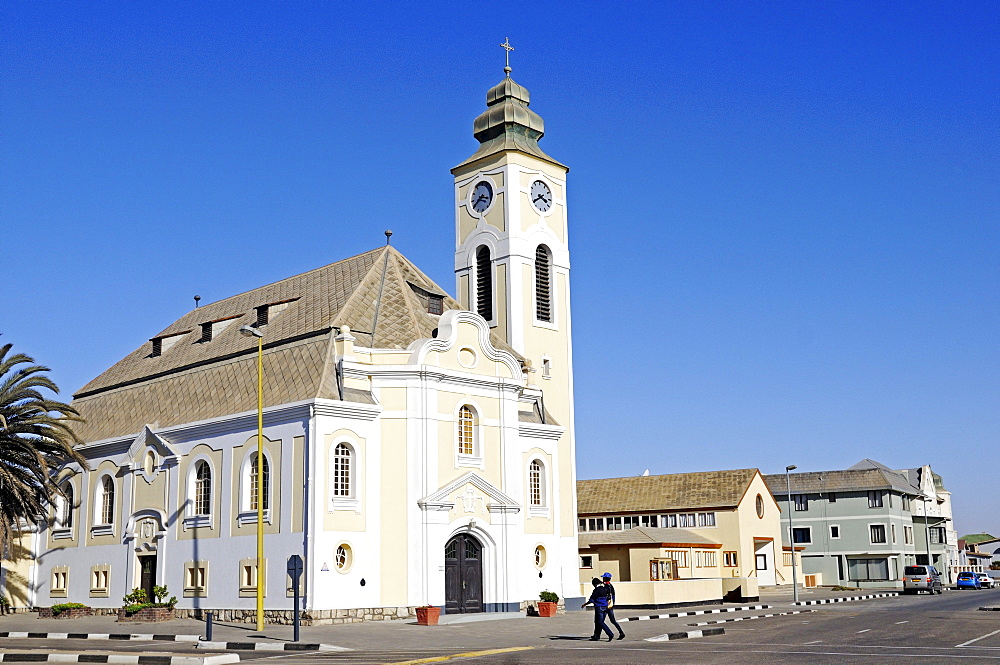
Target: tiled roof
{"x": 676, "y": 491}
{"x": 643, "y": 536}
{"x": 814, "y": 482}
{"x": 193, "y": 380}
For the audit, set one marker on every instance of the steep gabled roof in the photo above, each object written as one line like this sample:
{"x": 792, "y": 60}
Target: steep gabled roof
{"x": 675, "y": 491}
{"x": 192, "y": 380}
{"x": 814, "y": 482}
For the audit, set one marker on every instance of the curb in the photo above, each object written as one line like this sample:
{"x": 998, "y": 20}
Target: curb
{"x": 689, "y": 634}
{"x": 118, "y": 659}
{"x": 270, "y": 646}
{"x": 759, "y": 616}
{"x": 148, "y": 637}
{"x": 697, "y": 613}
{"x": 848, "y": 599}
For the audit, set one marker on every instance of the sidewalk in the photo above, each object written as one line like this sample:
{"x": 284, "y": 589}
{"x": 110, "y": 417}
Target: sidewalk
{"x": 459, "y": 632}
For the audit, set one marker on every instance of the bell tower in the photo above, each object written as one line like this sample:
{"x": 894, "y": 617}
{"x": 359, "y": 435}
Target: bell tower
{"x": 511, "y": 239}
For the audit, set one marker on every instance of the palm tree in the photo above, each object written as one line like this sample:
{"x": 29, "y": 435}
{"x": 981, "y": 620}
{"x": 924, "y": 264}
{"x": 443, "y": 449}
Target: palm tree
{"x": 36, "y": 438}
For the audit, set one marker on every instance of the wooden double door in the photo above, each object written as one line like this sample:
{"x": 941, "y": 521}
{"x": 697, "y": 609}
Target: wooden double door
{"x": 463, "y": 575}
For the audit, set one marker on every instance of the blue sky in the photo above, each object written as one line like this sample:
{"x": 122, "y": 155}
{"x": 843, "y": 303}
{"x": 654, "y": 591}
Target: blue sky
{"x": 784, "y": 215}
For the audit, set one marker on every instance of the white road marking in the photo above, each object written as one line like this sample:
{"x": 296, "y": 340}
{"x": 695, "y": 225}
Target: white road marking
{"x": 982, "y": 637}
{"x": 865, "y": 630}
{"x": 899, "y": 622}
{"x": 813, "y": 642}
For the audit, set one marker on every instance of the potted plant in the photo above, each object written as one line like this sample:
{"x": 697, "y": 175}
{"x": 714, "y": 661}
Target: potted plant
{"x": 427, "y": 615}
{"x": 547, "y": 604}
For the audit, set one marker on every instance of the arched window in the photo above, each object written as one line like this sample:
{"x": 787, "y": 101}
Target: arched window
{"x": 203, "y": 488}
{"x": 65, "y": 505}
{"x": 466, "y": 431}
{"x": 342, "y": 470}
{"x": 484, "y": 283}
{"x": 543, "y": 284}
{"x": 536, "y": 484}
{"x": 107, "y": 500}
{"x": 253, "y": 483}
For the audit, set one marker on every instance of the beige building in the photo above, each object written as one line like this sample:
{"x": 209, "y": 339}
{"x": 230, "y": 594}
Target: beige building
{"x": 418, "y": 449}
{"x": 682, "y": 538}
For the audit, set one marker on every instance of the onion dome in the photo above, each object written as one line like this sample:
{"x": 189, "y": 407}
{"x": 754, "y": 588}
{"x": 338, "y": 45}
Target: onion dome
{"x": 508, "y": 124}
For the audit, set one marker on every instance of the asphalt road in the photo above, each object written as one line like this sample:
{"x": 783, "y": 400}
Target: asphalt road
{"x": 904, "y": 629}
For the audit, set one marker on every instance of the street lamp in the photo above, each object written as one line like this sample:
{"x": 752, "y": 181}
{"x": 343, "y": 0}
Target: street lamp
{"x": 791, "y": 533}
{"x": 250, "y": 331}
{"x": 927, "y": 529}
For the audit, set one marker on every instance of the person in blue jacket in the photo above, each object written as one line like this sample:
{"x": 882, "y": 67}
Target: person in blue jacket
{"x": 599, "y": 599}
{"x": 611, "y": 604}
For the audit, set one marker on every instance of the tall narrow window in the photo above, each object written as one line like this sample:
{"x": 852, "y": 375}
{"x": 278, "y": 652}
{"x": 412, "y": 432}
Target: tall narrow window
{"x": 203, "y": 489}
{"x": 342, "y": 470}
{"x": 466, "y": 422}
{"x": 484, "y": 283}
{"x": 543, "y": 288}
{"x": 253, "y": 483}
{"x": 108, "y": 501}
{"x": 66, "y": 507}
{"x": 535, "y": 483}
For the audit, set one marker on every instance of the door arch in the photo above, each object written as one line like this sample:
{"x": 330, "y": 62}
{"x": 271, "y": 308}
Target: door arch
{"x": 463, "y": 575}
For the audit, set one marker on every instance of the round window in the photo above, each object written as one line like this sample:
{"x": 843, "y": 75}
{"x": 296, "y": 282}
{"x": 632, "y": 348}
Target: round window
{"x": 343, "y": 558}
{"x": 760, "y": 506}
{"x": 539, "y": 557}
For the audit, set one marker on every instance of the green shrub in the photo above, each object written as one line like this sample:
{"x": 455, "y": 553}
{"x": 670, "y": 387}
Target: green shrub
{"x": 548, "y": 597}
{"x": 136, "y": 597}
{"x": 62, "y": 607}
{"x": 138, "y": 600}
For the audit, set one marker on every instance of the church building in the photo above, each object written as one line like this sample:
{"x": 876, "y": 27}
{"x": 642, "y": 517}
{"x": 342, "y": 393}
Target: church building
{"x": 418, "y": 449}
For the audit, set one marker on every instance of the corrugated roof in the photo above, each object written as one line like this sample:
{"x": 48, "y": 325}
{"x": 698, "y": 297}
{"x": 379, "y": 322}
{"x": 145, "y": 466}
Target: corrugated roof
{"x": 814, "y": 482}
{"x": 643, "y": 536}
{"x": 676, "y": 491}
{"x": 194, "y": 380}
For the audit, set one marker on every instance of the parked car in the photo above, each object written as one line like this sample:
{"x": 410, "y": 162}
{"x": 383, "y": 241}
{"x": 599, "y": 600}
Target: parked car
{"x": 966, "y": 580}
{"x": 921, "y": 578}
{"x": 985, "y": 581}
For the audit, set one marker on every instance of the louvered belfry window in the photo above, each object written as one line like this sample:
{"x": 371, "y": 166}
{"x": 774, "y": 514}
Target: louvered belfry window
{"x": 543, "y": 284}
{"x": 484, "y": 283}
{"x": 262, "y": 316}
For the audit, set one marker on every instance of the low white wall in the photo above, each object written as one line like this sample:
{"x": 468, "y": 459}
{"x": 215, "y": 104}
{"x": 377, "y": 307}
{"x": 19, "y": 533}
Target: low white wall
{"x": 665, "y": 592}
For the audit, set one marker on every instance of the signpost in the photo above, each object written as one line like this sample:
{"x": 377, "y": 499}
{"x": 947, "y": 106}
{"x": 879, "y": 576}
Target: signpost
{"x": 295, "y": 572}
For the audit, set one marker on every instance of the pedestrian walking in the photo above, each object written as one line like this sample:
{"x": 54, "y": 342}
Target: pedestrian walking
{"x": 611, "y": 604}
{"x": 599, "y": 599}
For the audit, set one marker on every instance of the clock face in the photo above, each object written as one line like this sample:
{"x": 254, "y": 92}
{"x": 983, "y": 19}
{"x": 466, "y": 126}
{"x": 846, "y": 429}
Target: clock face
{"x": 541, "y": 196}
{"x": 482, "y": 196}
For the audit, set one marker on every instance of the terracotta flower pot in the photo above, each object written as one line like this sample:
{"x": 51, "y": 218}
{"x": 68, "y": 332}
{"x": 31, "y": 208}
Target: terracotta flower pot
{"x": 547, "y": 609}
{"x": 428, "y": 616}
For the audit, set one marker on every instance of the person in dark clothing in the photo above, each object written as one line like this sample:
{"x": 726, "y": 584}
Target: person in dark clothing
{"x": 611, "y": 604}
{"x": 599, "y": 599}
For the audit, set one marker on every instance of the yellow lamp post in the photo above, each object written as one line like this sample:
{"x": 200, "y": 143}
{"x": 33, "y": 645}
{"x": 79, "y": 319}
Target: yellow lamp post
{"x": 250, "y": 331}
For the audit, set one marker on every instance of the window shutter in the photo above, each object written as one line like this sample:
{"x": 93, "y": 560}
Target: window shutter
{"x": 543, "y": 290}
{"x": 484, "y": 284}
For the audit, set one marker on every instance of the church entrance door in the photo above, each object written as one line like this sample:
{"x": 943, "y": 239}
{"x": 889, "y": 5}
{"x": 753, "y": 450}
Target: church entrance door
{"x": 463, "y": 575}
{"x": 147, "y": 575}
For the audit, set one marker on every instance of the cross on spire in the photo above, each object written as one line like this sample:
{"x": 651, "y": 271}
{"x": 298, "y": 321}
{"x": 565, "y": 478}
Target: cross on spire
{"x": 508, "y": 48}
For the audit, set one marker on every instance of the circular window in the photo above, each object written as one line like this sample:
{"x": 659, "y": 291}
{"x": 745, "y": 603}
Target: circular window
{"x": 343, "y": 558}
{"x": 760, "y": 506}
{"x": 467, "y": 357}
{"x": 539, "y": 557}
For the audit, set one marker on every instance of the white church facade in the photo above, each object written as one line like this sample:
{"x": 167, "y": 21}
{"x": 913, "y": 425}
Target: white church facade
{"x": 418, "y": 449}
